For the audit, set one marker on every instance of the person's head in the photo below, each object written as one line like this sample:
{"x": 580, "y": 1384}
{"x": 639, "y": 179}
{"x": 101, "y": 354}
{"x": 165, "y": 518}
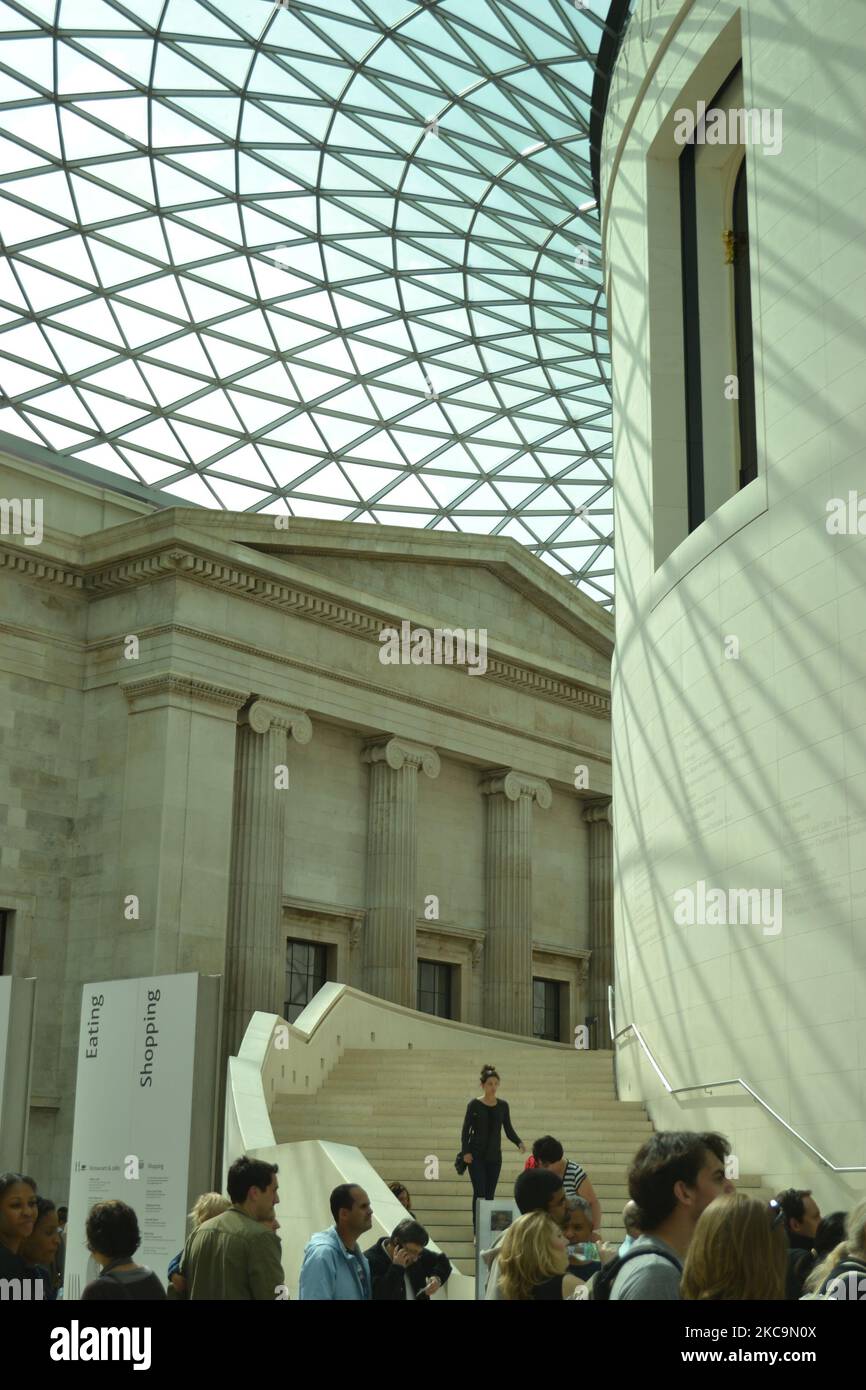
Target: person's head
{"x": 533, "y": 1249}
{"x": 830, "y": 1233}
{"x": 112, "y": 1232}
{"x": 537, "y": 1189}
{"x": 676, "y": 1174}
{"x": 410, "y": 1236}
{"x": 852, "y": 1246}
{"x": 549, "y": 1153}
{"x": 252, "y": 1185}
{"x": 42, "y": 1244}
{"x": 738, "y": 1251}
{"x": 801, "y": 1212}
{"x": 207, "y": 1206}
{"x": 578, "y": 1221}
{"x": 63, "y": 1215}
{"x": 630, "y": 1219}
{"x": 489, "y": 1081}
{"x": 17, "y": 1209}
{"x": 351, "y": 1210}
{"x": 401, "y": 1193}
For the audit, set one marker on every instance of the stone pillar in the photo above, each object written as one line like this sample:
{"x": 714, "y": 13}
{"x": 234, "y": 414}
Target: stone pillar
{"x": 389, "y": 955}
{"x": 255, "y": 955}
{"x": 600, "y": 854}
{"x": 508, "y": 872}
{"x": 173, "y": 833}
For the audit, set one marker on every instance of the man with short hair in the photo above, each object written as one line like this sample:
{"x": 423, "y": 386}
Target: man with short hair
{"x": 673, "y": 1177}
{"x": 334, "y": 1268}
{"x": 549, "y": 1153}
{"x": 396, "y": 1265}
{"x": 802, "y": 1216}
{"x": 536, "y": 1189}
{"x": 236, "y": 1255}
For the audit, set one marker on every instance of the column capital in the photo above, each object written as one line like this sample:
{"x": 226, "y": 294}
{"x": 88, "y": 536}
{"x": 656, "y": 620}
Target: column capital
{"x": 264, "y": 715}
{"x": 513, "y": 785}
{"x": 477, "y": 949}
{"x": 596, "y": 811}
{"x": 159, "y": 688}
{"x": 399, "y": 753}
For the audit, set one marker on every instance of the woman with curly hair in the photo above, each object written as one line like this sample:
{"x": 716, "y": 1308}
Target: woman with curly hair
{"x": 480, "y": 1141}
{"x": 113, "y": 1237}
{"x": 533, "y": 1263}
{"x": 739, "y": 1251}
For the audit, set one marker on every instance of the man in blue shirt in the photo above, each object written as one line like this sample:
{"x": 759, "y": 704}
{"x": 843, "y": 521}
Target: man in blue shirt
{"x": 334, "y": 1268}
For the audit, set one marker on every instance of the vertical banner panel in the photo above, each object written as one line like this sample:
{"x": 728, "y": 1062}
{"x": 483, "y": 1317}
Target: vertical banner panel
{"x": 17, "y": 1020}
{"x": 141, "y": 1079}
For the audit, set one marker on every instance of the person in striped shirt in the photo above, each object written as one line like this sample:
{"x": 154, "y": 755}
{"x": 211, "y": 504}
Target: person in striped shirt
{"x": 548, "y": 1153}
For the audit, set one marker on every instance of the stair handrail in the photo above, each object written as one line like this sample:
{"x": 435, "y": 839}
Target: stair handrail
{"x": 710, "y": 1085}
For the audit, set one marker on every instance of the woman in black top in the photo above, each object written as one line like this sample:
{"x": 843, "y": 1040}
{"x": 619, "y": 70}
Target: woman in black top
{"x": 480, "y": 1141}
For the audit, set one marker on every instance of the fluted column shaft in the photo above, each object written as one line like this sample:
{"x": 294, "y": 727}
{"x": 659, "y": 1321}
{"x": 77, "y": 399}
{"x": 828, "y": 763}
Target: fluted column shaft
{"x": 389, "y": 953}
{"x": 508, "y": 872}
{"x": 255, "y": 954}
{"x": 600, "y": 852}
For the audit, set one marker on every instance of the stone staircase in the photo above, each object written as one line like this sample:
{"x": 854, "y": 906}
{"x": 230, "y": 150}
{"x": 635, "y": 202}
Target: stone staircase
{"x": 398, "y": 1107}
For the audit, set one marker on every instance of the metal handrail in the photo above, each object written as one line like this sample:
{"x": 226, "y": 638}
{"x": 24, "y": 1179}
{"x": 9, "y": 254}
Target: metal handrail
{"x": 710, "y": 1085}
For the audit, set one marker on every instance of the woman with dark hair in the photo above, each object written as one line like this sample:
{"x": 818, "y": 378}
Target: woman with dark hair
{"x": 480, "y": 1141}
{"x": 41, "y": 1246}
{"x": 18, "y": 1212}
{"x": 112, "y": 1239}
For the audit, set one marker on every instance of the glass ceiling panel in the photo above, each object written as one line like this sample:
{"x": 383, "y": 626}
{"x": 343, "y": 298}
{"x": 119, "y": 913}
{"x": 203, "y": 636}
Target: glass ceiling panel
{"x": 334, "y": 258}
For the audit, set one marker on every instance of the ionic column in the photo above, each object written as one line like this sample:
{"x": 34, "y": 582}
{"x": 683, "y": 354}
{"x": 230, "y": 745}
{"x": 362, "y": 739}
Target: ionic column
{"x": 600, "y": 854}
{"x": 255, "y": 955}
{"x": 389, "y": 955}
{"x": 508, "y": 871}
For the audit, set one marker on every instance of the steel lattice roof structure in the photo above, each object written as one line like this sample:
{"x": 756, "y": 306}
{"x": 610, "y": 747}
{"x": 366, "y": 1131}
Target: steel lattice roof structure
{"x": 335, "y": 258}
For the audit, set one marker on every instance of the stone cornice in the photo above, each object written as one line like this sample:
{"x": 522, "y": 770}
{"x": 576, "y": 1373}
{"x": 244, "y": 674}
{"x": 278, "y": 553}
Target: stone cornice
{"x": 177, "y": 560}
{"x": 399, "y": 753}
{"x": 264, "y": 715}
{"x": 33, "y": 567}
{"x": 343, "y": 678}
{"x": 161, "y": 686}
{"x": 513, "y": 785}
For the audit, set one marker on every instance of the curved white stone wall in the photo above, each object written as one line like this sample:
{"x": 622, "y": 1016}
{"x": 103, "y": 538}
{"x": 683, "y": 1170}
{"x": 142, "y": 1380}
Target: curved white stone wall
{"x": 743, "y": 764}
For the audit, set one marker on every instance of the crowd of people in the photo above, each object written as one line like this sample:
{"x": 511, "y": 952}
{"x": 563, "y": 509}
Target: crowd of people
{"x": 687, "y": 1234}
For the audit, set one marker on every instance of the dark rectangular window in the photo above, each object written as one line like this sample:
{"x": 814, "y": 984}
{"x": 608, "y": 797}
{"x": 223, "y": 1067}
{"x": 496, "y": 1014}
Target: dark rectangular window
{"x": 4, "y": 938}
{"x": 306, "y": 972}
{"x": 691, "y": 338}
{"x": 434, "y": 988}
{"x": 743, "y": 332}
{"x": 545, "y": 1009}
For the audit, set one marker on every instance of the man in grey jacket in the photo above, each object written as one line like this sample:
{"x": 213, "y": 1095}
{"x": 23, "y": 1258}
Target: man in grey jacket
{"x": 673, "y": 1177}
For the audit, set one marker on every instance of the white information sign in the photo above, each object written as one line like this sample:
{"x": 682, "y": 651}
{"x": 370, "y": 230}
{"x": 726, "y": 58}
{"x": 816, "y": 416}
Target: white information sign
{"x": 493, "y": 1219}
{"x": 144, "y": 1111}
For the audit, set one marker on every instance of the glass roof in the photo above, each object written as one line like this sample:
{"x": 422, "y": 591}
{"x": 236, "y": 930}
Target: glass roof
{"x": 336, "y": 258}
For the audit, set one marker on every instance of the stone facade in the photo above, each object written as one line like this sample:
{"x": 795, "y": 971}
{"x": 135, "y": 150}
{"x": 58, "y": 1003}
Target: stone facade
{"x": 203, "y": 755}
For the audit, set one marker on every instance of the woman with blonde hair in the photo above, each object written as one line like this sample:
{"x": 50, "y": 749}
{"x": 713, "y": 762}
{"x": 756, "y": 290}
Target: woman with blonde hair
{"x": 533, "y": 1261}
{"x": 843, "y": 1273}
{"x": 739, "y": 1251}
{"x": 205, "y": 1208}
